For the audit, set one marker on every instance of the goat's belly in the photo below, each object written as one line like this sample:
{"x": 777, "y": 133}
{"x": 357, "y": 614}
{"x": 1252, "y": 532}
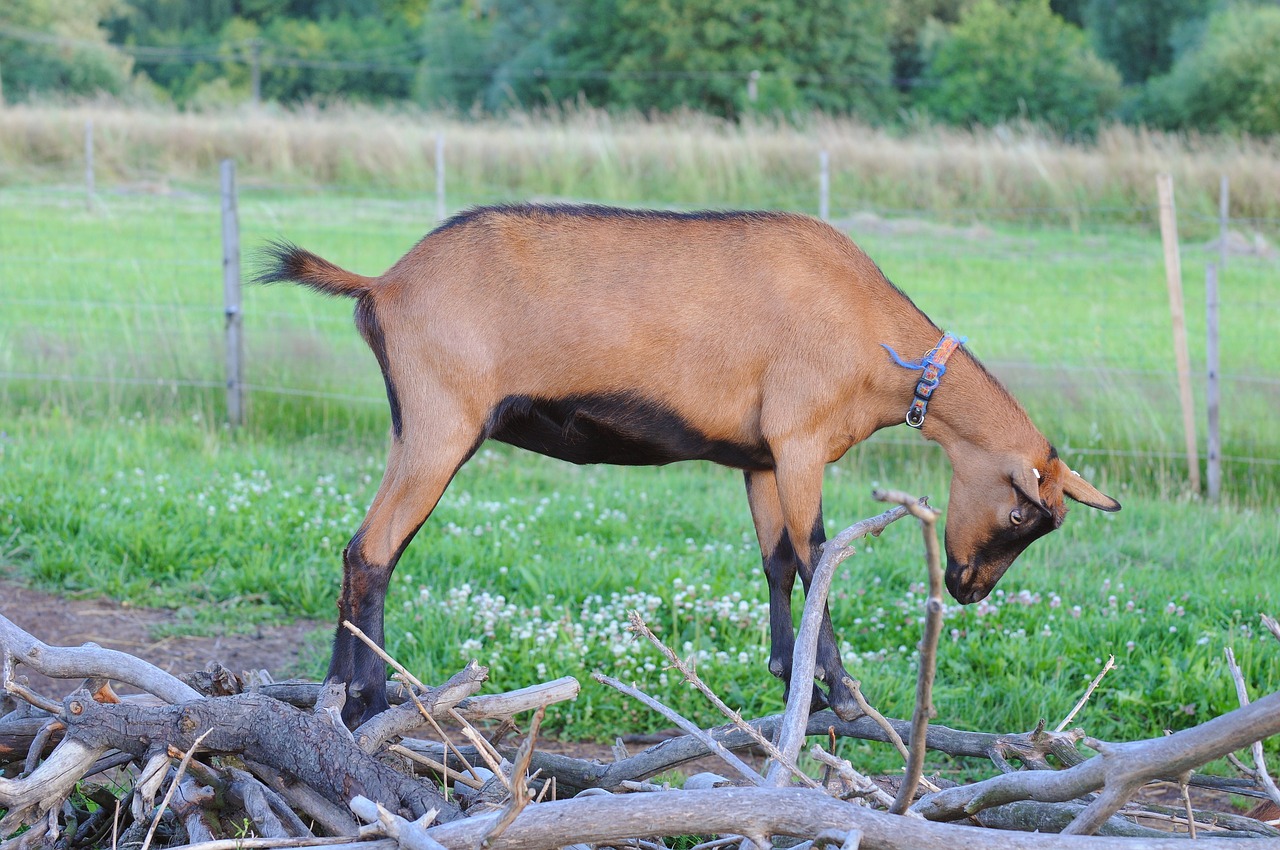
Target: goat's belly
{"x": 617, "y": 428}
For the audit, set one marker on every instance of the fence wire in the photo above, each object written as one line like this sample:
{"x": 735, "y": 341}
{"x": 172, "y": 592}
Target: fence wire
{"x": 125, "y": 290}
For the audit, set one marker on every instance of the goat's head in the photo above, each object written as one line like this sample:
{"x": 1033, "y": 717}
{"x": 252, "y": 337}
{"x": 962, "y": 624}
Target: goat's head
{"x": 1000, "y": 504}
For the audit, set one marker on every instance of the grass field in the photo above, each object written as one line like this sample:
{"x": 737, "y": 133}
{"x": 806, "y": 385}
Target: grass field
{"x": 133, "y": 487}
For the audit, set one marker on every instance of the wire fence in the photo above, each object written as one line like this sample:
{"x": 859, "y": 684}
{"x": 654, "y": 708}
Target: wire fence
{"x": 114, "y": 302}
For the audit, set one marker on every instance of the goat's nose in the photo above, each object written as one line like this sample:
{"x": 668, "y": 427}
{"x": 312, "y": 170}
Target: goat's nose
{"x": 960, "y": 585}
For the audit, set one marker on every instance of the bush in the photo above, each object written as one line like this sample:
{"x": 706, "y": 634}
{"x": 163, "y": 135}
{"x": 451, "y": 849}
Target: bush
{"x": 1230, "y": 81}
{"x": 59, "y": 49}
{"x": 1003, "y": 61}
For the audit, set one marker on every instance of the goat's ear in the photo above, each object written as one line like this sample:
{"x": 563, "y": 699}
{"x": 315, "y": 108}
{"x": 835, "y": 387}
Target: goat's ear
{"x": 1075, "y": 487}
{"x": 1027, "y": 480}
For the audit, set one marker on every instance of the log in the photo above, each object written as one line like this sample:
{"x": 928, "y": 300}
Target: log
{"x": 262, "y": 729}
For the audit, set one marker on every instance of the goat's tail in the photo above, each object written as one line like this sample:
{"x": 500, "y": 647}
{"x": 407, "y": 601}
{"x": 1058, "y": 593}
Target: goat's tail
{"x": 284, "y": 261}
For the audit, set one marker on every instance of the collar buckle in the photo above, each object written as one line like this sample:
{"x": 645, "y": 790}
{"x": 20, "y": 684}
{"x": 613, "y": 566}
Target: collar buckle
{"x": 933, "y": 366}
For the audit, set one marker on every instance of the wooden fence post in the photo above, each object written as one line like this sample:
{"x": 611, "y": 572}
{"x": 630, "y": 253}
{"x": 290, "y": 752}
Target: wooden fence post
{"x": 1212, "y": 397}
{"x": 440, "y": 206}
{"x": 1173, "y": 278}
{"x": 231, "y": 295}
{"x": 1223, "y": 219}
{"x": 824, "y": 185}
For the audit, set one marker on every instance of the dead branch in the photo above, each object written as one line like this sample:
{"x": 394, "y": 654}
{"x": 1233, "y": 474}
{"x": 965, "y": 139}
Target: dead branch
{"x": 712, "y": 745}
{"x": 1088, "y": 692}
{"x": 795, "y": 812}
{"x": 1118, "y": 770}
{"x": 30, "y": 799}
{"x": 791, "y": 734}
{"x": 473, "y": 708}
{"x": 403, "y": 719}
{"x": 934, "y": 607}
{"x": 640, "y": 627}
{"x": 91, "y": 661}
{"x": 266, "y": 730}
{"x": 575, "y": 775}
{"x": 1242, "y": 693}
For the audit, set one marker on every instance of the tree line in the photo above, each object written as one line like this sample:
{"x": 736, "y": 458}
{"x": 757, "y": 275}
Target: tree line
{"x": 1207, "y": 65}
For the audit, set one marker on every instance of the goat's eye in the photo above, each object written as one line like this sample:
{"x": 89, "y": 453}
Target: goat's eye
{"x": 1015, "y": 517}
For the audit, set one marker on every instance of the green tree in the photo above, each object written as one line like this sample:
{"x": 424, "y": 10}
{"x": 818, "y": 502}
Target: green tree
{"x": 910, "y": 22}
{"x": 59, "y": 47}
{"x": 824, "y": 54}
{"x": 1229, "y": 81}
{"x": 1002, "y": 61}
{"x": 1139, "y": 36}
{"x": 457, "y": 65}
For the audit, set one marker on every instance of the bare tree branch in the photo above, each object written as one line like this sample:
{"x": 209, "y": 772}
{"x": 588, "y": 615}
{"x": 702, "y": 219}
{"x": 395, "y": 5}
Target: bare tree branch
{"x": 934, "y": 608}
{"x": 693, "y": 729}
{"x": 1242, "y": 693}
{"x": 1119, "y": 769}
{"x": 1088, "y": 692}
{"x": 89, "y": 661}
{"x": 804, "y": 657}
{"x": 641, "y": 628}
{"x": 796, "y": 812}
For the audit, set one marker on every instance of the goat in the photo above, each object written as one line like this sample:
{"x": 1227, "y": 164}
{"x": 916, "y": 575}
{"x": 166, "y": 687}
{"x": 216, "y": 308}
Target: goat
{"x": 756, "y": 340}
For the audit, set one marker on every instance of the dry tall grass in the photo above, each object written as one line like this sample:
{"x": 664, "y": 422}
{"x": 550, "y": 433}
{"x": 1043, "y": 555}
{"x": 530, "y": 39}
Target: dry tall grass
{"x": 685, "y": 160}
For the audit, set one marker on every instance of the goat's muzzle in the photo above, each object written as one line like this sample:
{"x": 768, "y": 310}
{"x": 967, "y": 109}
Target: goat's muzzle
{"x": 961, "y": 582}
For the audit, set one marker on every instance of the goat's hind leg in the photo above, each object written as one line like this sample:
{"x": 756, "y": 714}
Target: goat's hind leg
{"x": 418, "y": 471}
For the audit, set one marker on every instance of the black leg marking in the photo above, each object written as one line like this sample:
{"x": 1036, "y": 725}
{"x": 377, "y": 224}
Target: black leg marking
{"x": 828, "y": 665}
{"x": 364, "y": 594}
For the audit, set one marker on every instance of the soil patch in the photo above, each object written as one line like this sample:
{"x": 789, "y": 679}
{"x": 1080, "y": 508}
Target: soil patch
{"x": 282, "y": 651}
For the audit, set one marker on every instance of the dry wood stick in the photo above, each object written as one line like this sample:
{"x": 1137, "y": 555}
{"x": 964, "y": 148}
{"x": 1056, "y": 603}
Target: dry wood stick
{"x": 792, "y": 732}
{"x": 861, "y": 783}
{"x": 1088, "y": 692}
{"x": 443, "y": 769}
{"x": 928, "y": 646}
{"x": 883, "y": 722}
{"x": 641, "y": 628}
{"x": 693, "y": 729}
{"x": 520, "y": 796}
{"x": 399, "y": 721}
{"x": 28, "y": 799}
{"x": 492, "y": 758}
{"x": 800, "y": 812}
{"x": 89, "y": 661}
{"x": 1191, "y": 817}
{"x": 1262, "y": 776}
{"x": 286, "y": 844}
{"x": 447, "y": 743}
{"x": 1119, "y": 769}
{"x": 173, "y": 786}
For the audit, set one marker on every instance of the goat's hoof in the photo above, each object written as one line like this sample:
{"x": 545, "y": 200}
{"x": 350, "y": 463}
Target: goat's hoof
{"x": 843, "y": 704}
{"x": 778, "y": 668}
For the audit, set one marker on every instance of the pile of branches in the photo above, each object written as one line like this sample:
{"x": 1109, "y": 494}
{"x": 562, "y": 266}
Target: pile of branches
{"x": 214, "y": 761}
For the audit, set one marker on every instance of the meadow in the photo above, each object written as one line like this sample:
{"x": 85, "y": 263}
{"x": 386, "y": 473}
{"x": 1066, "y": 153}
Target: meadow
{"x": 118, "y": 475}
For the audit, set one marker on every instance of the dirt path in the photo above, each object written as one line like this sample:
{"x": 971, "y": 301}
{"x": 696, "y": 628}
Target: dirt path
{"x": 281, "y": 650}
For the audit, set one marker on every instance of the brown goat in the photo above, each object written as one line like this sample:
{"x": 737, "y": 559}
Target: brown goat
{"x": 600, "y": 335}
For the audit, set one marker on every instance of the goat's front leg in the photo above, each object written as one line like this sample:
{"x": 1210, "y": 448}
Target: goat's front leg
{"x": 799, "y": 483}
{"x": 781, "y": 564}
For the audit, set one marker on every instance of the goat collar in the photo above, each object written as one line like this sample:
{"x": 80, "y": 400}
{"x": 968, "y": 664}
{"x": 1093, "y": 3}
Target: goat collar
{"x": 933, "y": 366}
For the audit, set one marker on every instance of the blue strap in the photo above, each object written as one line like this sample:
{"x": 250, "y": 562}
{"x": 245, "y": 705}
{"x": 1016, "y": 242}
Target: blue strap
{"x": 923, "y": 361}
{"x": 929, "y": 378}
{"x": 905, "y": 364}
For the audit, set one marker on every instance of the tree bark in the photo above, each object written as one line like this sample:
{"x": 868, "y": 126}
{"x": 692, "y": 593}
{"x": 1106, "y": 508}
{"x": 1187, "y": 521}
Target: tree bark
{"x": 264, "y": 730}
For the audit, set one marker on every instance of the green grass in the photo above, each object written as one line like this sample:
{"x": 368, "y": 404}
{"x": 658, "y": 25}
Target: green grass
{"x": 136, "y": 490}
